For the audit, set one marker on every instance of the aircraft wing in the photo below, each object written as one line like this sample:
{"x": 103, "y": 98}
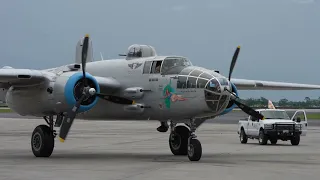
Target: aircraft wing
{"x": 21, "y": 77}
{"x": 28, "y": 77}
{"x": 246, "y": 84}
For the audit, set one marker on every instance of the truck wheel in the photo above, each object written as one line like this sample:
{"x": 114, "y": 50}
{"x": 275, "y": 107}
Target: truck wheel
{"x": 243, "y": 137}
{"x": 263, "y": 139}
{"x": 295, "y": 140}
{"x": 273, "y": 141}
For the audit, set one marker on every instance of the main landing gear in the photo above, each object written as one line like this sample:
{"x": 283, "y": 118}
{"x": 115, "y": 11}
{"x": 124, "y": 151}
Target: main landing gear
{"x": 42, "y": 139}
{"x": 183, "y": 141}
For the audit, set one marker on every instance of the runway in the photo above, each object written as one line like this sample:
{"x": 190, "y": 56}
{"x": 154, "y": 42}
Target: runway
{"x": 136, "y": 151}
{"x": 230, "y": 118}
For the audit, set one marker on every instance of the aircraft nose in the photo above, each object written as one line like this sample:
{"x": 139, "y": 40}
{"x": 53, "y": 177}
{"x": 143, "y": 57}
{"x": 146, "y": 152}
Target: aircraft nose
{"x": 212, "y": 83}
{"x": 216, "y": 96}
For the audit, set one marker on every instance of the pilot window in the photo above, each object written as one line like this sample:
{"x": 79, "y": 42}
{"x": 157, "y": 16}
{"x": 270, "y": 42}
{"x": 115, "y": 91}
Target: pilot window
{"x": 174, "y": 65}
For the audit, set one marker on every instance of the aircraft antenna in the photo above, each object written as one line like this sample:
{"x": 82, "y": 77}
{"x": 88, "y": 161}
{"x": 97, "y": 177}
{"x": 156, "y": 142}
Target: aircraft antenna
{"x": 101, "y": 56}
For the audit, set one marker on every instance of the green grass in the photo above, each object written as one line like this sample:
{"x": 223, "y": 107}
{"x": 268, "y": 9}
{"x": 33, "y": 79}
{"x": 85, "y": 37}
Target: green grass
{"x": 6, "y": 110}
{"x": 313, "y": 116}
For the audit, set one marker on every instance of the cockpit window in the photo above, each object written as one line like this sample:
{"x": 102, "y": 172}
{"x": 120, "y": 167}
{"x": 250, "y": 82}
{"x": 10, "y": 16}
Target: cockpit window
{"x": 174, "y": 65}
{"x": 223, "y": 81}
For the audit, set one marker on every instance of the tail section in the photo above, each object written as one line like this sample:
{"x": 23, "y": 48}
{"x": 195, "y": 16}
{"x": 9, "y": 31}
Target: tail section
{"x": 270, "y": 105}
{"x": 79, "y": 51}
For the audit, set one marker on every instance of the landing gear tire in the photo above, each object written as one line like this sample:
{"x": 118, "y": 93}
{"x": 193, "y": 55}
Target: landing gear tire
{"x": 273, "y": 141}
{"x": 295, "y": 140}
{"x": 243, "y": 137}
{"x": 178, "y": 140}
{"x": 263, "y": 139}
{"x": 194, "y": 150}
{"x": 42, "y": 141}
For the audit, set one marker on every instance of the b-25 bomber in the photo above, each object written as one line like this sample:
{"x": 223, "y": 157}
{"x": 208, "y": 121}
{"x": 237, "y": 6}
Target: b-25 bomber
{"x": 142, "y": 86}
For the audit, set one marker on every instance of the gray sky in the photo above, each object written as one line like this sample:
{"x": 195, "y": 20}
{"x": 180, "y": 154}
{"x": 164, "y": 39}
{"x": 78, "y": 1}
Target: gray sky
{"x": 279, "y": 38}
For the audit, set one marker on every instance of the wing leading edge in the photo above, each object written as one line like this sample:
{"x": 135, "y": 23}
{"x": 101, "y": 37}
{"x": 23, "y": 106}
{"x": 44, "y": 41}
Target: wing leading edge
{"x": 29, "y": 77}
{"x": 246, "y": 84}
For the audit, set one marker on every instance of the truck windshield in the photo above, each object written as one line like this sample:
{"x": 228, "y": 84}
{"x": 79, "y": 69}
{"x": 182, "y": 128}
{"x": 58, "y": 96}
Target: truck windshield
{"x": 275, "y": 115}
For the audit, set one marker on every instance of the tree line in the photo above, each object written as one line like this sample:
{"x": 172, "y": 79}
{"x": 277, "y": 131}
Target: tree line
{"x": 262, "y": 102}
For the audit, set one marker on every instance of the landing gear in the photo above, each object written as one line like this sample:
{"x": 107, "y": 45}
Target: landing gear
{"x": 194, "y": 145}
{"x": 183, "y": 141}
{"x": 163, "y": 127}
{"x": 178, "y": 140}
{"x": 42, "y": 139}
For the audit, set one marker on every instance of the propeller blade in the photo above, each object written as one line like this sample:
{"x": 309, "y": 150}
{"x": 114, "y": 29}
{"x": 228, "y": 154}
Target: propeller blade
{"x": 116, "y": 99}
{"x": 234, "y": 60}
{"x": 249, "y": 110}
{"x": 68, "y": 120}
{"x": 85, "y": 46}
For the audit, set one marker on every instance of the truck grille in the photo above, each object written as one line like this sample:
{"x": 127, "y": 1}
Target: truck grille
{"x": 284, "y": 127}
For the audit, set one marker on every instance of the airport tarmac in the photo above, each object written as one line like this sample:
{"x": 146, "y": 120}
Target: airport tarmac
{"x": 136, "y": 151}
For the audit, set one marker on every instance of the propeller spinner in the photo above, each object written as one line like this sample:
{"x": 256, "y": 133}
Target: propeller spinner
{"x": 86, "y": 92}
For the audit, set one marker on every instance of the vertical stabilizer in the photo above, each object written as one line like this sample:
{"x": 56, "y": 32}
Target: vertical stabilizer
{"x": 79, "y": 51}
{"x": 270, "y": 105}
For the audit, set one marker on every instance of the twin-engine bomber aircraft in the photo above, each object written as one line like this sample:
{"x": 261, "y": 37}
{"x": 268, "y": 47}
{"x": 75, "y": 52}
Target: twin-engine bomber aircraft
{"x": 142, "y": 86}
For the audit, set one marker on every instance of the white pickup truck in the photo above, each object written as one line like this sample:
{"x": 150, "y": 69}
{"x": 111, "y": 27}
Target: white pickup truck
{"x": 276, "y": 125}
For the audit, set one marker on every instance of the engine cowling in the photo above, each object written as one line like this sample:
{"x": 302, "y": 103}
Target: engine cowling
{"x": 231, "y": 105}
{"x": 67, "y": 90}
{"x": 54, "y": 96}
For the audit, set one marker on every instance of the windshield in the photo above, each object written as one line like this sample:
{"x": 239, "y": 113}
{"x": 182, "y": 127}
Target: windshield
{"x": 275, "y": 114}
{"x": 174, "y": 65}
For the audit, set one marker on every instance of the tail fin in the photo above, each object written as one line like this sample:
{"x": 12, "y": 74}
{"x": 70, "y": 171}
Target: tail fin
{"x": 270, "y": 105}
{"x": 79, "y": 51}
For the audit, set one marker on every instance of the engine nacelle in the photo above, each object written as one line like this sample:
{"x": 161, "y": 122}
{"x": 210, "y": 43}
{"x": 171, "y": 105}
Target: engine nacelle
{"x": 67, "y": 90}
{"x": 54, "y": 96}
{"x": 230, "y": 105}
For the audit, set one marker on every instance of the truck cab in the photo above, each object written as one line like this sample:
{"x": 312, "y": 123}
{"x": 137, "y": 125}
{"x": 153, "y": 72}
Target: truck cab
{"x": 276, "y": 125}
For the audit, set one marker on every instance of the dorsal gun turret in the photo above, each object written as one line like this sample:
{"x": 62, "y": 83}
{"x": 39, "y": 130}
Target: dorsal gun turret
{"x": 140, "y": 51}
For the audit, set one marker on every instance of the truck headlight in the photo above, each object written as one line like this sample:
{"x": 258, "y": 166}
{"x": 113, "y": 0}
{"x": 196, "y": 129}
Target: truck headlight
{"x": 298, "y": 126}
{"x": 268, "y": 126}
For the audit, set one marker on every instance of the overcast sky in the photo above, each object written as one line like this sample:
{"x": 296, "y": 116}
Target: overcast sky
{"x": 279, "y": 38}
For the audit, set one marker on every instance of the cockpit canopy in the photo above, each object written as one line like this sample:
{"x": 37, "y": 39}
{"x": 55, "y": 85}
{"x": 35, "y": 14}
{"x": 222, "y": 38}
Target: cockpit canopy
{"x": 174, "y": 65}
{"x": 140, "y": 51}
{"x": 168, "y": 65}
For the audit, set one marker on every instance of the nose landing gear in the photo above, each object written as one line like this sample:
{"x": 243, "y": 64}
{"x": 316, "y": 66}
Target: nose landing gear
{"x": 183, "y": 141}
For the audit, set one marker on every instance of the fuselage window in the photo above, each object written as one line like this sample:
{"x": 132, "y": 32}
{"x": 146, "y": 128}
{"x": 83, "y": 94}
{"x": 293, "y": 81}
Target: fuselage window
{"x": 206, "y": 76}
{"x": 196, "y": 73}
{"x": 181, "y": 83}
{"x": 147, "y": 66}
{"x": 191, "y": 83}
{"x": 201, "y": 83}
{"x": 156, "y": 66}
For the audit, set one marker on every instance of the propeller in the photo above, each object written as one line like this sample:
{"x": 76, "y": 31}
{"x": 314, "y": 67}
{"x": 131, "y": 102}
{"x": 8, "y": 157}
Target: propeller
{"x": 242, "y": 106}
{"x": 86, "y": 92}
{"x": 234, "y": 60}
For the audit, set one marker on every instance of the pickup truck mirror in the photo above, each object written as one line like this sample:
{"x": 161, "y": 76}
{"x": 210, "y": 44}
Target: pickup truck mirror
{"x": 298, "y": 119}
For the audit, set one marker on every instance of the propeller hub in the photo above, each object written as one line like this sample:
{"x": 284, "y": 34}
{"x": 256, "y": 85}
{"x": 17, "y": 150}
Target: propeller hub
{"x": 92, "y": 91}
